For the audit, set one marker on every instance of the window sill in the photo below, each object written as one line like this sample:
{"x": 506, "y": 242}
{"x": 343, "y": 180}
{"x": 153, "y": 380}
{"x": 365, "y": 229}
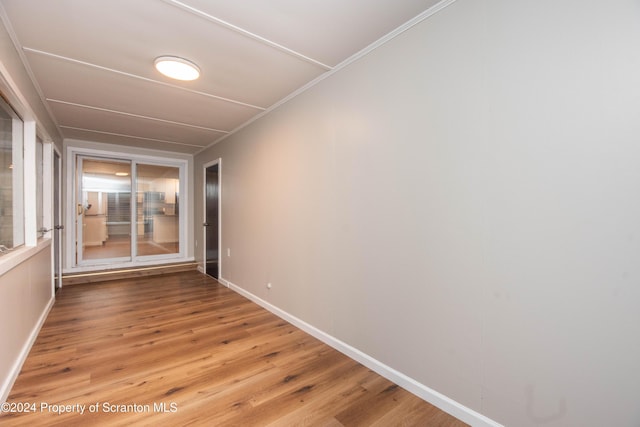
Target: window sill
{"x": 20, "y": 255}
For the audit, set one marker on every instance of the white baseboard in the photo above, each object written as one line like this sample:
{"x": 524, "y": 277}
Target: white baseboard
{"x": 200, "y": 268}
{"x": 26, "y": 348}
{"x": 437, "y": 399}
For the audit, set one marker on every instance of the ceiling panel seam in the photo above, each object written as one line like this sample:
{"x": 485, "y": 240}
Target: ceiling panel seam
{"x": 247, "y": 33}
{"x": 130, "y": 136}
{"x": 123, "y": 73}
{"x": 363, "y": 52}
{"x": 16, "y": 43}
{"x": 140, "y": 116}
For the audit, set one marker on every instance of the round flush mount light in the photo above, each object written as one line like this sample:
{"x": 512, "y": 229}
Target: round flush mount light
{"x": 177, "y": 68}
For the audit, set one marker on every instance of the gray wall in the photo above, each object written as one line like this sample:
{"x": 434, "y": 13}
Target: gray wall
{"x": 26, "y": 293}
{"x": 26, "y": 290}
{"x": 463, "y": 205}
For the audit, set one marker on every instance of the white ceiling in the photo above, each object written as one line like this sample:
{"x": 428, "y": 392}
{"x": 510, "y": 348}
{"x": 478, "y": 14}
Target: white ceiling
{"x": 92, "y": 60}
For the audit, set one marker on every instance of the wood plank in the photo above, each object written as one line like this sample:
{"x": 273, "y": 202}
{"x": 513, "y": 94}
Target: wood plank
{"x": 208, "y": 354}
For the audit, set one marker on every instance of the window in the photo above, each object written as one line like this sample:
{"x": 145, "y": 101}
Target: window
{"x": 11, "y": 179}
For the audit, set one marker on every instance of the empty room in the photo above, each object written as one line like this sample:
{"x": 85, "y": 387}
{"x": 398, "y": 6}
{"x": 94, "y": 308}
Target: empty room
{"x": 286, "y": 213}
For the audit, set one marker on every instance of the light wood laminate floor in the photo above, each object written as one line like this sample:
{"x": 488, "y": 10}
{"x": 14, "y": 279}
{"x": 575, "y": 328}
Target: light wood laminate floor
{"x": 120, "y": 246}
{"x": 180, "y": 350}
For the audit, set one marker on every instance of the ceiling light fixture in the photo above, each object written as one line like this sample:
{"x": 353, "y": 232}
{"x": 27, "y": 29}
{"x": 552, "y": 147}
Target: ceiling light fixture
{"x": 177, "y": 68}
{"x": 122, "y": 174}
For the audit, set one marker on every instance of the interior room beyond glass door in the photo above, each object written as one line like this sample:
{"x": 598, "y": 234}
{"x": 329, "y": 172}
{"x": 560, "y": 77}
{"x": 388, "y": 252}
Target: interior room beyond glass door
{"x": 104, "y": 210}
{"x": 158, "y": 210}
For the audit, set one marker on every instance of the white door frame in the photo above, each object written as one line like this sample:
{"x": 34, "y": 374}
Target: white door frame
{"x": 218, "y": 162}
{"x": 181, "y": 162}
{"x": 57, "y": 232}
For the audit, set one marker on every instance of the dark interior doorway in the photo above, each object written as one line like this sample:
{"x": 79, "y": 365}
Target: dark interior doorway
{"x": 212, "y": 195}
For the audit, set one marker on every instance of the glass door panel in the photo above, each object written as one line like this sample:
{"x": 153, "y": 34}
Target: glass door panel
{"x": 104, "y": 209}
{"x": 158, "y": 210}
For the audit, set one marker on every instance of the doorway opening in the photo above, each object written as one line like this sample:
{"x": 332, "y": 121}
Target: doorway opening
{"x": 211, "y": 223}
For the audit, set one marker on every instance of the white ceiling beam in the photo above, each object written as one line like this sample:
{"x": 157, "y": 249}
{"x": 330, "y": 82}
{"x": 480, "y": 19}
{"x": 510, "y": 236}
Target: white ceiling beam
{"x": 134, "y": 76}
{"x": 138, "y": 116}
{"x": 130, "y": 136}
{"x": 246, "y": 33}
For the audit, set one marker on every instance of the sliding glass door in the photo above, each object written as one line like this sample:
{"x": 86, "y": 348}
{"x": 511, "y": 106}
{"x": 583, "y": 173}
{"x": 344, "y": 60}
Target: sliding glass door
{"x": 117, "y": 225}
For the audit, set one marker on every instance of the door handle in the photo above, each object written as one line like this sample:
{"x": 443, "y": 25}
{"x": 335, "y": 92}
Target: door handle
{"x": 58, "y": 227}
{"x": 206, "y": 224}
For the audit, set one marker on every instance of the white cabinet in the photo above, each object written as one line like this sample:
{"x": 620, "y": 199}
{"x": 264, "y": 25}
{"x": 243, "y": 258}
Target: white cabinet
{"x": 165, "y": 229}
{"x": 95, "y": 203}
{"x": 170, "y": 189}
{"x": 94, "y": 230}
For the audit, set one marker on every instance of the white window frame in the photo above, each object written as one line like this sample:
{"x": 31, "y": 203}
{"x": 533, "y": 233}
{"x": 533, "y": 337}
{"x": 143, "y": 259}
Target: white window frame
{"x": 30, "y": 179}
{"x": 26, "y": 197}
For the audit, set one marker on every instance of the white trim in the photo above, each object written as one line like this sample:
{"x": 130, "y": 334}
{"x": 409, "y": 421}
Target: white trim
{"x": 47, "y": 187}
{"x": 15, "y": 97}
{"x": 5, "y": 389}
{"x": 381, "y": 41}
{"x": 124, "y": 265}
{"x": 57, "y": 242}
{"x": 87, "y": 144}
{"x": 437, "y": 399}
{"x": 47, "y": 203}
{"x": 30, "y": 178}
{"x": 218, "y": 162}
{"x": 133, "y": 211}
{"x": 395, "y": 33}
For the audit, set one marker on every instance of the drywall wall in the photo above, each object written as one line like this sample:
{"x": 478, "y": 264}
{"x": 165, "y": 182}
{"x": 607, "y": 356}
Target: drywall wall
{"x": 462, "y": 205}
{"x": 26, "y": 294}
{"x": 26, "y": 287}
